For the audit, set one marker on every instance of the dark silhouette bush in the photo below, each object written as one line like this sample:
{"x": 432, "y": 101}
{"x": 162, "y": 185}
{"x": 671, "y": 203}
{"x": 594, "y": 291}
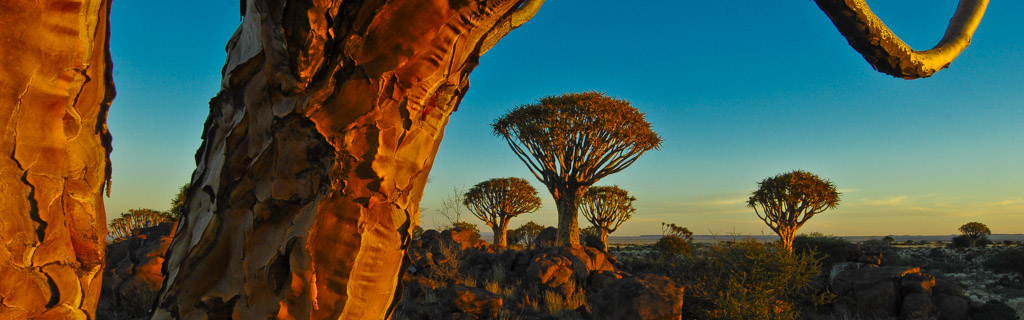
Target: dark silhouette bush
{"x": 964, "y": 241}
{"x": 828, "y": 249}
{"x": 1007, "y": 261}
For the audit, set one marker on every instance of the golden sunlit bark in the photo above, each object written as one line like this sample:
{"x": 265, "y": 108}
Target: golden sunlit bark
{"x": 316, "y": 153}
{"x": 55, "y": 90}
{"x": 887, "y": 53}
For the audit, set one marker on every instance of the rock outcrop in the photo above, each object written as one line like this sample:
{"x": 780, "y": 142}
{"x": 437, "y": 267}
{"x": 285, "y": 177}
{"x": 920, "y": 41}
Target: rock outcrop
{"x": 316, "y": 152}
{"x": 645, "y": 296}
{"x": 894, "y": 291}
{"x": 55, "y": 90}
{"x": 133, "y": 274}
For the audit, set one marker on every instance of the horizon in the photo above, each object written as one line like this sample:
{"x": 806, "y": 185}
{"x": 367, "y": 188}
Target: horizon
{"x": 719, "y": 82}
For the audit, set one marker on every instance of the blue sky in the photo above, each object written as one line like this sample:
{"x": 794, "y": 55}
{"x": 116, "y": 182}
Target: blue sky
{"x": 739, "y": 90}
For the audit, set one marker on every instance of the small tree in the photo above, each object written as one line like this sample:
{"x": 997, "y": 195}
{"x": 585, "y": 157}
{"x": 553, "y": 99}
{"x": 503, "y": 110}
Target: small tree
{"x": 178, "y": 203}
{"x": 123, "y": 227}
{"x": 497, "y": 201}
{"x": 675, "y": 240}
{"x": 889, "y": 240}
{"x": 571, "y": 141}
{"x": 974, "y": 231}
{"x": 528, "y": 232}
{"x": 786, "y": 201}
{"x": 606, "y": 208}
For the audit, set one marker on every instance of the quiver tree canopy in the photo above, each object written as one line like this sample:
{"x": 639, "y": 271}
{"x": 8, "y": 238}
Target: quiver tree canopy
{"x": 974, "y": 231}
{"x": 606, "y": 208}
{"x": 122, "y": 228}
{"x": 786, "y": 201}
{"x": 571, "y": 141}
{"x": 497, "y": 201}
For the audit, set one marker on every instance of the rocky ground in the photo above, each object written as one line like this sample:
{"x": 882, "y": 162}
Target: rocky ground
{"x": 455, "y": 275}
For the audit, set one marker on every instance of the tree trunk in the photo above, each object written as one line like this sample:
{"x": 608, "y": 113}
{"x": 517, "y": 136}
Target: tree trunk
{"x": 567, "y": 203}
{"x": 786, "y": 235}
{"x": 500, "y": 235}
{"x": 55, "y": 90}
{"x": 316, "y": 152}
{"x": 604, "y": 237}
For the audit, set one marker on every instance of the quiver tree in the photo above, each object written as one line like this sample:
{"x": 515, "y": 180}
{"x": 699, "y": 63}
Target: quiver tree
{"x": 887, "y": 53}
{"x": 527, "y": 233}
{"x": 122, "y": 227}
{"x": 786, "y": 201}
{"x": 497, "y": 201}
{"x": 571, "y": 141}
{"x": 316, "y": 152}
{"x": 974, "y": 231}
{"x": 55, "y": 90}
{"x": 606, "y": 208}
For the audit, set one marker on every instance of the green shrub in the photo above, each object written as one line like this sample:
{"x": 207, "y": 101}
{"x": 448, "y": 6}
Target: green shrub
{"x": 828, "y": 249}
{"x": 672, "y": 245}
{"x": 748, "y": 280}
{"x": 1007, "y": 261}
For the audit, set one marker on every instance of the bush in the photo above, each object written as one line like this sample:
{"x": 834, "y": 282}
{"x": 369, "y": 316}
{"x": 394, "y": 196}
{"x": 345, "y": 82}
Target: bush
{"x": 672, "y": 245}
{"x": 748, "y": 280}
{"x": 1007, "y": 261}
{"x": 828, "y": 249}
{"x": 964, "y": 241}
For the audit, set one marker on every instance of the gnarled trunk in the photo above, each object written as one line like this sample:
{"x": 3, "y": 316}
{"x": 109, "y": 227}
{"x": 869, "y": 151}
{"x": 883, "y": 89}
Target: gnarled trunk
{"x": 501, "y": 235}
{"x": 55, "y": 90}
{"x": 316, "y": 152}
{"x": 567, "y": 204}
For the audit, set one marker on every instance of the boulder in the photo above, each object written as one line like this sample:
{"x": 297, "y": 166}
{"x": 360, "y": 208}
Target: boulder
{"x": 133, "y": 275}
{"x": 547, "y": 237}
{"x": 917, "y": 306}
{"x": 952, "y": 307}
{"x": 917, "y": 283}
{"x": 645, "y": 296}
{"x": 871, "y": 291}
{"x": 477, "y": 302}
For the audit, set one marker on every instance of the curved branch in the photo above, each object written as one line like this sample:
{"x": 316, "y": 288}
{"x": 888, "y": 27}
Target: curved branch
{"x": 887, "y": 53}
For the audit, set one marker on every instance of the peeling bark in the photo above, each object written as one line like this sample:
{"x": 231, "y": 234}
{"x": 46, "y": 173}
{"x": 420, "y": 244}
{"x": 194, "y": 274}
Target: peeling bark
{"x": 316, "y": 152}
{"x": 887, "y": 53}
{"x": 55, "y": 90}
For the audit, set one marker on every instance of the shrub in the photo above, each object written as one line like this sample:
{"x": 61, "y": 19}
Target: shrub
{"x": 1007, "y": 261}
{"x": 748, "y": 280}
{"x": 828, "y": 249}
{"x": 964, "y": 241}
{"x": 672, "y": 245}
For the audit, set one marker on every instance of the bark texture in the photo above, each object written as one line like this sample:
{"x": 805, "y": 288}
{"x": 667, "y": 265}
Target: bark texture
{"x": 316, "y": 152}
{"x": 887, "y": 53}
{"x": 55, "y": 90}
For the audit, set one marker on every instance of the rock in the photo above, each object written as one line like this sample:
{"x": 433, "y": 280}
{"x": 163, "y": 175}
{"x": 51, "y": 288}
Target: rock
{"x": 644, "y": 296}
{"x": 916, "y": 306}
{"x": 917, "y": 283}
{"x": 601, "y": 279}
{"x": 547, "y": 237}
{"x": 994, "y": 310}
{"x": 464, "y": 238}
{"x": 952, "y": 307}
{"x": 595, "y": 242}
{"x": 554, "y": 272}
{"x": 477, "y": 302}
{"x": 871, "y": 291}
{"x": 133, "y": 275}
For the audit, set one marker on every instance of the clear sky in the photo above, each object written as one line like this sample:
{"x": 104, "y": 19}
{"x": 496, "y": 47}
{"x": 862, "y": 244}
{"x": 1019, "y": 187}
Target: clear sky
{"x": 739, "y": 91}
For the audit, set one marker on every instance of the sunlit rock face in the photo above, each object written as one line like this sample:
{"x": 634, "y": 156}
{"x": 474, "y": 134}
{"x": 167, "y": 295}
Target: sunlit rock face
{"x": 316, "y": 152}
{"x": 55, "y": 89}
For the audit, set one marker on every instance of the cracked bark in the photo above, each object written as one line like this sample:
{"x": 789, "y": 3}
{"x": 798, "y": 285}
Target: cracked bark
{"x": 887, "y": 53}
{"x": 316, "y": 152}
{"x": 55, "y": 90}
